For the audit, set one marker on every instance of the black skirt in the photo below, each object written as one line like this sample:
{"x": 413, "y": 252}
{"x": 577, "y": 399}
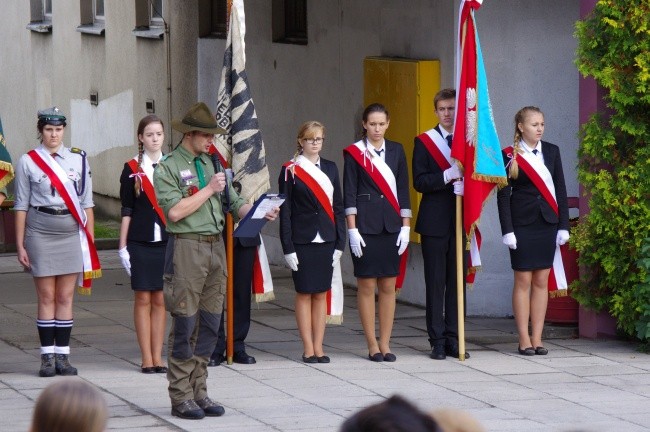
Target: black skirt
{"x": 380, "y": 258}
{"x": 535, "y": 246}
{"x": 315, "y": 269}
{"x": 147, "y": 262}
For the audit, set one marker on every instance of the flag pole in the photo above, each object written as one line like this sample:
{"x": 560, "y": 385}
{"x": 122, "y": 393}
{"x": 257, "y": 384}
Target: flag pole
{"x": 230, "y": 294}
{"x": 460, "y": 278}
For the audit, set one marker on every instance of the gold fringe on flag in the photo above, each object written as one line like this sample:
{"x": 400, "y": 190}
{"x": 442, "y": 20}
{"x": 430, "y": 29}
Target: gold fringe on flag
{"x": 260, "y": 298}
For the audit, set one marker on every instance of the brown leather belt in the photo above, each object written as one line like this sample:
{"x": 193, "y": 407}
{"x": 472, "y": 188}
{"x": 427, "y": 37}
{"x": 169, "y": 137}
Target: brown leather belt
{"x": 200, "y": 237}
{"x": 52, "y": 211}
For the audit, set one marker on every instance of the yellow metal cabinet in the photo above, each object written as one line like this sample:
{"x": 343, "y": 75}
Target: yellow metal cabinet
{"x": 406, "y": 87}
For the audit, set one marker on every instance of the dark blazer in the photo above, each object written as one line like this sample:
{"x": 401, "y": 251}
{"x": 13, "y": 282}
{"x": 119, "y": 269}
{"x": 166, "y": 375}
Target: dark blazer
{"x": 520, "y": 203}
{"x": 374, "y": 212}
{"x": 142, "y": 213}
{"x": 437, "y": 211}
{"x": 302, "y": 216}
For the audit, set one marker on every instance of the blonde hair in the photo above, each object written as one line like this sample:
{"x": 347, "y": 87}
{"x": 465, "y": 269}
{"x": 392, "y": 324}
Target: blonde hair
{"x": 520, "y": 117}
{"x": 146, "y": 121}
{"x": 70, "y": 405}
{"x": 303, "y": 131}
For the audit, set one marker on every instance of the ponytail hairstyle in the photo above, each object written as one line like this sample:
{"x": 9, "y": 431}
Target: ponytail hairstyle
{"x": 372, "y": 108}
{"x": 146, "y": 121}
{"x": 520, "y": 117}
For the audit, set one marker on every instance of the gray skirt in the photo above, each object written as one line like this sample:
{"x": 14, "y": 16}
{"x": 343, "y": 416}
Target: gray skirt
{"x": 52, "y": 244}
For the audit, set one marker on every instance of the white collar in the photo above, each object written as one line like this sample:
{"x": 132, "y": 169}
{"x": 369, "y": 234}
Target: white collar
{"x": 528, "y": 149}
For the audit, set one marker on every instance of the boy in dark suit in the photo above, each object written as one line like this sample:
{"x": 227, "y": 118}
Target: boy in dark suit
{"x": 439, "y": 180}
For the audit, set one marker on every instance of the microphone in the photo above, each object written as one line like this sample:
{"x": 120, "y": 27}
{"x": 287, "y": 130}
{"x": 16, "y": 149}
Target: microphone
{"x": 217, "y": 169}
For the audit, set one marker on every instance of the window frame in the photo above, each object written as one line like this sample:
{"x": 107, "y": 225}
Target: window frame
{"x": 290, "y": 26}
{"x": 39, "y": 20}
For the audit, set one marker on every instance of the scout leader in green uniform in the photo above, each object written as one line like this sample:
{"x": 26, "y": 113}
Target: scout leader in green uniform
{"x": 189, "y": 191}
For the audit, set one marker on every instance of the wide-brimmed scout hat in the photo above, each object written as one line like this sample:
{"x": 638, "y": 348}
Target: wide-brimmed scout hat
{"x": 52, "y": 116}
{"x": 198, "y": 118}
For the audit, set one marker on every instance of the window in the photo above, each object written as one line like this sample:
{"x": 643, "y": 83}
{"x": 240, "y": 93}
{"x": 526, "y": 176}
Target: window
{"x": 213, "y": 18}
{"x": 290, "y": 21}
{"x": 92, "y": 17}
{"x": 40, "y": 16}
{"x": 149, "y": 19}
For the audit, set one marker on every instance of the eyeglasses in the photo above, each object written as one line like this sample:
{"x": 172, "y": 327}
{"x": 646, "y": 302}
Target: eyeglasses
{"x": 311, "y": 141}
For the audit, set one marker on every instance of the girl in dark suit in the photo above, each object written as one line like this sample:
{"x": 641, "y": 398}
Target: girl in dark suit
{"x": 143, "y": 241}
{"x": 530, "y": 225}
{"x": 312, "y": 232}
{"x": 378, "y": 214}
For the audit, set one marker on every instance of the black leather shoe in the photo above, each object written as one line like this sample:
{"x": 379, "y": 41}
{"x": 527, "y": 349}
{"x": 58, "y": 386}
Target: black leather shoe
{"x": 438, "y": 352}
{"x": 216, "y": 360}
{"x": 310, "y": 359}
{"x": 377, "y": 357}
{"x": 530, "y": 351}
{"x": 148, "y": 369}
{"x": 540, "y": 350}
{"x": 452, "y": 351}
{"x": 160, "y": 369}
{"x": 323, "y": 359}
{"x": 390, "y": 357}
{"x": 242, "y": 358}
{"x": 210, "y": 408}
{"x": 188, "y": 410}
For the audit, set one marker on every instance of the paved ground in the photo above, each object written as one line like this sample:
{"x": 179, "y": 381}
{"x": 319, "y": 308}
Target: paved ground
{"x": 581, "y": 385}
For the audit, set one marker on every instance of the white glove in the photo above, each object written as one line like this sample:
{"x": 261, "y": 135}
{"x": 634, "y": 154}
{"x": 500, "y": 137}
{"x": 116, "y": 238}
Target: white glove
{"x": 403, "y": 239}
{"x": 356, "y": 242}
{"x": 126, "y": 259}
{"x": 452, "y": 173}
{"x": 292, "y": 261}
{"x": 336, "y": 257}
{"x": 562, "y": 237}
{"x": 459, "y": 187}
{"x": 510, "y": 240}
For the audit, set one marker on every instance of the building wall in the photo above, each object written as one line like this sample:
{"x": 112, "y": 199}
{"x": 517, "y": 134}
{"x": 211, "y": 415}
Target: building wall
{"x": 528, "y": 51}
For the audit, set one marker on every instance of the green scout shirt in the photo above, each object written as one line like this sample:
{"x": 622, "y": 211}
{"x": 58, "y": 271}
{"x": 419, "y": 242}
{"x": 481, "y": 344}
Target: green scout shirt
{"x": 173, "y": 178}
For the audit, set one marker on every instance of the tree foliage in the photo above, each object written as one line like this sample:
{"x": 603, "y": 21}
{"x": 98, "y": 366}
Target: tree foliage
{"x": 614, "y": 162}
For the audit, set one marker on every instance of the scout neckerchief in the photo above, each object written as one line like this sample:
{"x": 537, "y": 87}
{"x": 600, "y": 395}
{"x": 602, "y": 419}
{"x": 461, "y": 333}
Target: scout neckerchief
{"x": 147, "y": 187}
{"x": 439, "y": 150}
{"x": 320, "y": 185}
{"x": 65, "y": 188}
{"x": 262, "y": 282}
{"x": 385, "y": 181}
{"x": 541, "y": 177}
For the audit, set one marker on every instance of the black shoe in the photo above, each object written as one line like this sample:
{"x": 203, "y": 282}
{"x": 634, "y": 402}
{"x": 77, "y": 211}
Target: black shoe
{"x": 377, "y": 357}
{"x": 452, "y": 351}
{"x": 242, "y": 358}
{"x": 310, "y": 359}
{"x": 63, "y": 366}
{"x": 148, "y": 370}
{"x": 188, "y": 410}
{"x": 47, "y": 366}
{"x": 210, "y": 408}
{"x": 390, "y": 357}
{"x": 530, "y": 351}
{"x": 540, "y": 350}
{"x": 216, "y": 360}
{"x": 438, "y": 352}
{"x": 160, "y": 369}
{"x": 323, "y": 359}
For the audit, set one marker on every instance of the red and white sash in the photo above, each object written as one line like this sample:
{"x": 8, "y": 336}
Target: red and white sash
{"x": 385, "y": 180}
{"x": 65, "y": 188}
{"x": 262, "y": 284}
{"x": 147, "y": 187}
{"x": 439, "y": 150}
{"x": 541, "y": 177}
{"x": 321, "y": 186}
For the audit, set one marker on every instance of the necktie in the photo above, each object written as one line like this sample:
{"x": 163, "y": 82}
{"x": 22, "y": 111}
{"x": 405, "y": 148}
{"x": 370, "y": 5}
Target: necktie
{"x": 535, "y": 151}
{"x": 450, "y": 137}
{"x": 199, "y": 171}
{"x": 153, "y": 165}
{"x": 379, "y": 152}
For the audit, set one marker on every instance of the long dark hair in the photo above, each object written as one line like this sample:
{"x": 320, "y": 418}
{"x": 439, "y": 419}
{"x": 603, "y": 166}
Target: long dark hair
{"x": 146, "y": 121}
{"x": 372, "y": 108}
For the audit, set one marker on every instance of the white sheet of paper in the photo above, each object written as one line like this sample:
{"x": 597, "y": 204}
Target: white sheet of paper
{"x": 267, "y": 204}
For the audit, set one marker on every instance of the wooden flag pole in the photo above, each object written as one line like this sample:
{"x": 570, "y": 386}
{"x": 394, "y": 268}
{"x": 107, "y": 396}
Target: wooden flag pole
{"x": 230, "y": 294}
{"x": 460, "y": 275}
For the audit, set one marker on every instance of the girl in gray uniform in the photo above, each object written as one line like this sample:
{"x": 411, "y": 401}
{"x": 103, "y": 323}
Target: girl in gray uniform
{"x": 48, "y": 236}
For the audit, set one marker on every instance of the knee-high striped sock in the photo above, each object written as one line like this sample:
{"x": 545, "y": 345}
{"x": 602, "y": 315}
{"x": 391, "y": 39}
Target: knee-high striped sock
{"x": 62, "y": 331}
{"x": 46, "y": 335}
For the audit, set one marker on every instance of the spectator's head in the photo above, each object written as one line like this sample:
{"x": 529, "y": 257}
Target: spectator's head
{"x": 451, "y": 420}
{"x": 395, "y": 414}
{"x": 70, "y": 405}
